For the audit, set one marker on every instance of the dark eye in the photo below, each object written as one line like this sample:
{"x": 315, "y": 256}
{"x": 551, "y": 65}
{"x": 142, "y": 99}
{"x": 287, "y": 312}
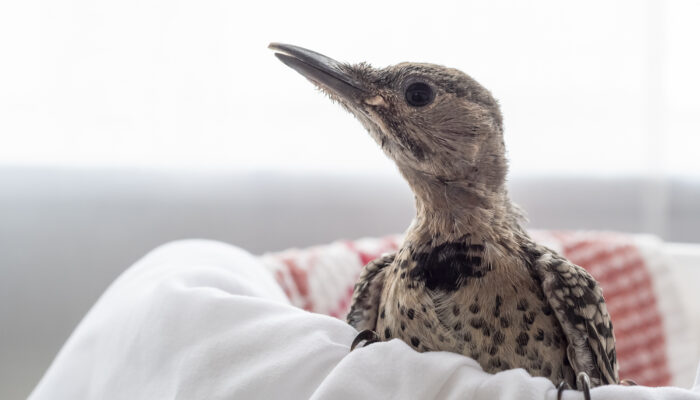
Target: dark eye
{"x": 419, "y": 94}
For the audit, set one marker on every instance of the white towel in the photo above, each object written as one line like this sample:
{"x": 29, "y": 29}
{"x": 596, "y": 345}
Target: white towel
{"x": 204, "y": 320}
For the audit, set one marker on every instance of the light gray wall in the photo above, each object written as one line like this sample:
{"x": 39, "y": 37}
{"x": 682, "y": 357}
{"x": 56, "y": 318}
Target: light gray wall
{"x": 66, "y": 234}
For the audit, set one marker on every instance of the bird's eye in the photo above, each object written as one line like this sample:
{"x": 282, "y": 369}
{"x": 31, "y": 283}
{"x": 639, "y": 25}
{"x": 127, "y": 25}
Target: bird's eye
{"x": 419, "y": 94}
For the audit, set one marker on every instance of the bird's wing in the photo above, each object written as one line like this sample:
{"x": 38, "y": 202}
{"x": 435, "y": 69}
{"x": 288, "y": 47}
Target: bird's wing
{"x": 577, "y": 301}
{"x": 368, "y": 290}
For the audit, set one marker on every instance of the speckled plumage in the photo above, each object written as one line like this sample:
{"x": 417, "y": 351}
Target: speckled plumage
{"x": 468, "y": 278}
{"x": 504, "y": 316}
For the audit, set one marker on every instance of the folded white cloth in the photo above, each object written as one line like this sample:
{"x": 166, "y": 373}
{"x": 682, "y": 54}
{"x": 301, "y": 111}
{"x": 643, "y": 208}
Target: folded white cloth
{"x": 204, "y": 320}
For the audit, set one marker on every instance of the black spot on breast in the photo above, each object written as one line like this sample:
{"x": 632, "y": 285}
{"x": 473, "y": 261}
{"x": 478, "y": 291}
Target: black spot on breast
{"x": 520, "y": 350}
{"x": 441, "y": 338}
{"x": 455, "y": 310}
{"x": 387, "y": 333}
{"x": 477, "y": 323}
{"x": 415, "y": 341}
{"x": 424, "y": 310}
{"x": 474, "y": 308}
{"x": 547, "y": 310}
{"x": 529, "y": 318}
{"x": 486, "y": 330}
{"x": 403, "y": 275}
{"x": 493, "y": 350}
{"x": 403, "y": 326}
{"x": 382, "y": 314}
{"x": 467, "y": 337}
{"x": 458, "y": 326}
{"x": 505, "y": 321}
{"x": 498, "y": 338}
{"x": 447, "y": 266}
{"x": 522, "y": 339}
{"x": 522, "y": 304}
{"x": 411, "y": 313}
{"x": 428, "y": 324}
{"x": 539, "y": 336}
{"x": 497, "y": 308}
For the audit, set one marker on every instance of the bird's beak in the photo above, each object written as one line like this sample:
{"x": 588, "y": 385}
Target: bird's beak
{"x": 323, "y": 71}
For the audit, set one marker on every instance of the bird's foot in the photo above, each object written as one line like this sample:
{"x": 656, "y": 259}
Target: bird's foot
{"x": 561, "y": 387}
{"x": 583, "y": 382}
{"x": 368, "y": 336}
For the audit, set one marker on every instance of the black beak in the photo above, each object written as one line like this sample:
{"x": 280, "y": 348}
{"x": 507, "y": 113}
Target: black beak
{"x": 323, "y": 71}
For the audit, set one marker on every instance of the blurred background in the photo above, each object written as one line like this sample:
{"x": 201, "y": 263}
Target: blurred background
{"x": 124, "y": 125}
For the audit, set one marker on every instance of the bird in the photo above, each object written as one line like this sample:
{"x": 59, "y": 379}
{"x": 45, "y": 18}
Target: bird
{"x": 467, "y": 278}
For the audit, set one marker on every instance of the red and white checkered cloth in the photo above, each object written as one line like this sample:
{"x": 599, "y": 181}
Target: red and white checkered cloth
{"x": 320, "y": 279}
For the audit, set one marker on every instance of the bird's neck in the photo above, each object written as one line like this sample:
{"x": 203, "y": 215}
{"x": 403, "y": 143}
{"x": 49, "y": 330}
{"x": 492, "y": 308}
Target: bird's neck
{"x": 449, "y": 210}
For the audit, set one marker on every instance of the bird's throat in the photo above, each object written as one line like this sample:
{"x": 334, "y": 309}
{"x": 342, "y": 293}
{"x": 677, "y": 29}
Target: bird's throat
{"x": 451, "y": 210}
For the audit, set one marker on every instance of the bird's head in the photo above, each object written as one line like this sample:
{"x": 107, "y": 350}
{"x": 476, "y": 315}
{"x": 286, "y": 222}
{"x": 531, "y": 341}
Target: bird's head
{"x": 434, "y": 122}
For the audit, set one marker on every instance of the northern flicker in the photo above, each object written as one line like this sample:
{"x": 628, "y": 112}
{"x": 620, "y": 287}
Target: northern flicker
{"x": 468, "y": 278}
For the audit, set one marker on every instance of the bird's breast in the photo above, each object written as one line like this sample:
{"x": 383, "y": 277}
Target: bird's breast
{"x": 501, "y": 319}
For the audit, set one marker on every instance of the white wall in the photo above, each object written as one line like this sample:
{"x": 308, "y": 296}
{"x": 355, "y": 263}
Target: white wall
{"x": 595, "y": 87}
